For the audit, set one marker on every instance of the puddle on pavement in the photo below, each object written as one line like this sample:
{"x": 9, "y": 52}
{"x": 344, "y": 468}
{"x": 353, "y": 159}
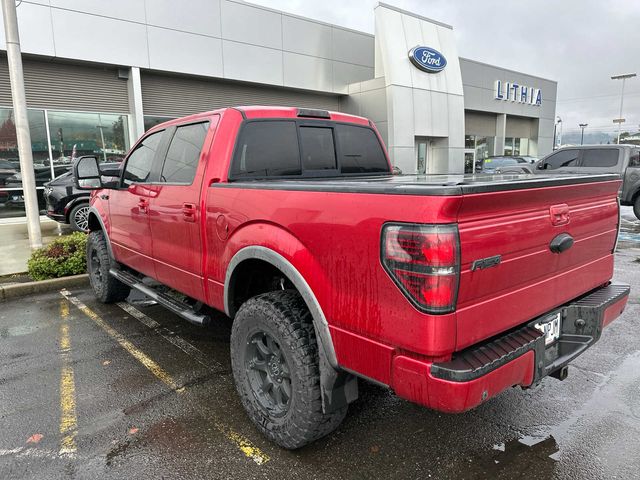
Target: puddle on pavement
{"x": 17, "y": 331}
{"x": 527, "y": 457}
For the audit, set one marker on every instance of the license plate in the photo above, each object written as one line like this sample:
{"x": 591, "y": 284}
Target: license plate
{"x": 550, "y": 326}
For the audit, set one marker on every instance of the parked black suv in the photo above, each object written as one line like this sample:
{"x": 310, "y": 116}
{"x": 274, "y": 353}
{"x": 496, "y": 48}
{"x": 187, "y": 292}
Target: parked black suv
{"x": 67, "y": 204}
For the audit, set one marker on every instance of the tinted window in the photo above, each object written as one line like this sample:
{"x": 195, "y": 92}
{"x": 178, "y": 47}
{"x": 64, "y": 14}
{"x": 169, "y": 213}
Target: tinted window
{"x": 184, "y": 153}
{"x": 267, "y": 149}
{"x": 564, "y": 158}
{"x": 360, "y": 150}
{"x": 139, "y": 162}
{"x": 600, "y": 157}
{"x": 634, "y": 159}
{"x": 318, "y": 150}
{"x": 500, "y": 162}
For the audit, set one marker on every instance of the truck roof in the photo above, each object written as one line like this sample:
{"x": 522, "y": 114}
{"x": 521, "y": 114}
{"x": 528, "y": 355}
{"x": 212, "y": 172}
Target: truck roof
{"x": 265, "y": 111}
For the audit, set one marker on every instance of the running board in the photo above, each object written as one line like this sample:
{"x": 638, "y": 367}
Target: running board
{"x": 170, "y": 303}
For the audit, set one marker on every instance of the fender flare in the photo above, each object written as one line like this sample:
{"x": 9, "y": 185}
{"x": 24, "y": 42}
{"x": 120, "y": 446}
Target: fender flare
{"x": 94, "y": 211}
{"x": 320, "y": 323}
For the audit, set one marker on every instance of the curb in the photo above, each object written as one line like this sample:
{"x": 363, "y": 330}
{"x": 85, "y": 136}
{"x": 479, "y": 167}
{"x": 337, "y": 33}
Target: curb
{"x": 23, "y": 289}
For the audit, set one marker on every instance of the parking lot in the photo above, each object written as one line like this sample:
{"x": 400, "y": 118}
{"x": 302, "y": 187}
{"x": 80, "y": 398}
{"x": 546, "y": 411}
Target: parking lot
{"x": 131, "y": 391}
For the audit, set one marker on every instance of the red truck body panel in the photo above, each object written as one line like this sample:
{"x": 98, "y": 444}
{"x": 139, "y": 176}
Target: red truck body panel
{"x": 186, "y": 238}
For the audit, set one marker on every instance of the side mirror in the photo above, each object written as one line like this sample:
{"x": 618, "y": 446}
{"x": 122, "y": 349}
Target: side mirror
{"x": 541, "y": 166}
{"x": 86, "y": 173}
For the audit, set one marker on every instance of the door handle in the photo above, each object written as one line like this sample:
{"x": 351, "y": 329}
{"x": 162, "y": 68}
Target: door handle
{"x": 189, "y": 212}
{"x": 143, "y": 204}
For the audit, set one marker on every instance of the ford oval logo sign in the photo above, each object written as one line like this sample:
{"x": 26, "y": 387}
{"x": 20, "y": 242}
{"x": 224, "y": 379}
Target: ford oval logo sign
{"x": 427, "y": 59}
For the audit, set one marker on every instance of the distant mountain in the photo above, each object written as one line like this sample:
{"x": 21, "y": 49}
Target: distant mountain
{"x": 592, "y": 138}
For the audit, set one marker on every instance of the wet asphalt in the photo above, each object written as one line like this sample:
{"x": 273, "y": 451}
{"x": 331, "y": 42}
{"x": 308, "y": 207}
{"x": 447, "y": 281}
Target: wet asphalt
{"x": 119, "y": 391}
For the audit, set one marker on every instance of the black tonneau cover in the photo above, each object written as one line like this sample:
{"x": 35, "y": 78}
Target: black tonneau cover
{"x": 419, "y": 184}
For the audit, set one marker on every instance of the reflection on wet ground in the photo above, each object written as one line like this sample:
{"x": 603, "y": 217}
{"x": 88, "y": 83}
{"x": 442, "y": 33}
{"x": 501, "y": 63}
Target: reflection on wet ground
{"x": 130, "y": 424}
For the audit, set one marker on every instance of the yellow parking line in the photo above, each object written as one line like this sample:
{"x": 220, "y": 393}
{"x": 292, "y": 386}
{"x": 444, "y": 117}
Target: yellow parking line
{"x": 241, "y": 442}
{"x": 244, "y": 444}
{"x": 152, "y": 366}
{"x": 68, "y": 418}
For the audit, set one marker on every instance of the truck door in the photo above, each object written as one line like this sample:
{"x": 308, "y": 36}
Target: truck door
{"x": 175, "y": 212}
{"x": 129, "y": 206}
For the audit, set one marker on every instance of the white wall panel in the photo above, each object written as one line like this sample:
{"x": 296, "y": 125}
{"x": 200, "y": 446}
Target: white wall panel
{"x": 346, "y": 73}
{"x": 352, "y": 47}
{"x": 176, "y": 51}
{"x": 195, "y": 16}
{"x": 131, "y": 10}
{"x": 93, "y": 38}
{"x": 36, "y": 33}
{"x": 252, "y": 63}
{"x": 303, "y": 71}
{"x": 309, "y": 38}
{"x": 246, "y": 23}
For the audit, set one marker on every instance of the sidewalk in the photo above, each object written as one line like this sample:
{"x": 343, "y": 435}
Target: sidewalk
{"x": 14, "y": 242}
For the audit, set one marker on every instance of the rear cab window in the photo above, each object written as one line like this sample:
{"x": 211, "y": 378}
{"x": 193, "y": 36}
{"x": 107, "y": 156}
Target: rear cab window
{"x": 599, "y": 157}
{"x": 634, "y": 158}
{"x": 306, "y": 148}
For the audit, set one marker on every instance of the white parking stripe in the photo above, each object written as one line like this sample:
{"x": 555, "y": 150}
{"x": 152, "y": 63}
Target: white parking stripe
{"x": 170, "y": 337}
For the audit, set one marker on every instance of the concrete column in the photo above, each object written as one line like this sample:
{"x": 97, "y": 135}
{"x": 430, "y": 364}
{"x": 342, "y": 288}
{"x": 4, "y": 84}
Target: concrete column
{"x": 134, "y": 88}
{"x": 501, "y": 130}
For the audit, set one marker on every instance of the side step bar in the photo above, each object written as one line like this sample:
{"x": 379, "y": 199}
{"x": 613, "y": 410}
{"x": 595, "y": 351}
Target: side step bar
{"x": 170, "y": 303}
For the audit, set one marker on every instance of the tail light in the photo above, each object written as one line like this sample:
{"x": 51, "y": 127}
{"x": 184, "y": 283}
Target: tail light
{"x": 424, "y": 262}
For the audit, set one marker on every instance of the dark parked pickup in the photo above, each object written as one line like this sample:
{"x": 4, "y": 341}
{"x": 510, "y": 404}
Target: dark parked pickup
{"x": 68, "y": 204}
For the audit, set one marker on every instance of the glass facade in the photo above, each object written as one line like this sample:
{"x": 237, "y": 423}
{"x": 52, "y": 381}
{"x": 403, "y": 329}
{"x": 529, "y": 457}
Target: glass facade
{"x": 516, "y": 146}
{"x": 151, "y": 121}
{"x": 70, "y": 135}
{"x": 482, "y": 146}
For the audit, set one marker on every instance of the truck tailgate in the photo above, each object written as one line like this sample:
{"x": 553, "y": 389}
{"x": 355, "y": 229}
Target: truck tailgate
{"x": 529, "y": 280}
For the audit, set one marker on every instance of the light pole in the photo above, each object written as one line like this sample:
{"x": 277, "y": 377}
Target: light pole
{"x": 622, "y": 77}
{"x": 559, "y": 120}
{"x": 582, "y": 126}
{"x": 16, "y": 78}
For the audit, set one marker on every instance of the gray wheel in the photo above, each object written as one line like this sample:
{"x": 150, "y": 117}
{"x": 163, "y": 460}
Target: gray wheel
{"x": 106, "y": 288}
{"x": 79, "y": 217}
{"x": 274, "y": 358}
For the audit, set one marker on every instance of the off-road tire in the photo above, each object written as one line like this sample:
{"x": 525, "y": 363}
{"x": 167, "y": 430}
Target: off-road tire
{"x": 106, "y": 288}
{"x": 636, "y": 207}
{"x": 284, "y": 316}
{"x": 73, "y": 221}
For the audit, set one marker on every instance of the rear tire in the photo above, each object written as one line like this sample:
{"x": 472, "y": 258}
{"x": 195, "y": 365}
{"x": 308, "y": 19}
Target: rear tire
{"x": 106, "y": 288}
{"x": 636, "y": 207}
{"x": 274, "y": 357}
{"x": 79, "y": 218}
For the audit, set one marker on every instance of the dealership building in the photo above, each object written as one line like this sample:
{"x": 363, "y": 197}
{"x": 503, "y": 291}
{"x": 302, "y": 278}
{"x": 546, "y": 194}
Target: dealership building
{"x": 98, "y": 74}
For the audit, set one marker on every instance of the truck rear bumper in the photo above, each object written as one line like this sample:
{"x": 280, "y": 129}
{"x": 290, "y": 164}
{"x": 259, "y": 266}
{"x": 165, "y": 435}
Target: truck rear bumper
{"x": 519, "y": 357}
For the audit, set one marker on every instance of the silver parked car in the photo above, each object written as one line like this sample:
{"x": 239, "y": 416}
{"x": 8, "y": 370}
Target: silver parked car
{"x": 506, "y": 164}
{"x": 621, "y": 159}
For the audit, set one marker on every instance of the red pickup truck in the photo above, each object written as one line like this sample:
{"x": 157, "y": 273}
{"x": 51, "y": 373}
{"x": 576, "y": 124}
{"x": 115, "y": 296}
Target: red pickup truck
{"x": 448, "y": 289}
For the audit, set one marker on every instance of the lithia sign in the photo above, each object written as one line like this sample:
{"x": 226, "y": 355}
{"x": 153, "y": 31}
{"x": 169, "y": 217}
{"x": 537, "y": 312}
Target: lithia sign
{"x": 513, "y": 92}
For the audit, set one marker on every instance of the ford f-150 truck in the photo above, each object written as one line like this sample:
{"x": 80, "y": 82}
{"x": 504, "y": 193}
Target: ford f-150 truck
{"x": 448, "y": 289}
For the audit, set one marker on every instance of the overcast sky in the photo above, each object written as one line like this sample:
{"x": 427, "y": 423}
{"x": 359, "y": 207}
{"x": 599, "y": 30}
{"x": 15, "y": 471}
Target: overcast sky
{"x": 578, "y": 43}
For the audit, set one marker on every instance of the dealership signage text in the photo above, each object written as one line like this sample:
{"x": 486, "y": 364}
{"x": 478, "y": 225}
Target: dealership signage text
{"x": 513, "y": 92}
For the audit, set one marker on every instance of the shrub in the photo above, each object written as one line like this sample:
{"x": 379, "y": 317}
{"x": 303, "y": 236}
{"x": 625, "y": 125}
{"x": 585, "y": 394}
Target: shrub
{"x": 63, "y": 257}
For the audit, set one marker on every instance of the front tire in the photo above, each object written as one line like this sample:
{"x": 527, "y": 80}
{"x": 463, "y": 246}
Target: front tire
{"x": 79, "y": 218}
{"x": 636, "y": 207}
{"x": 106, "y": 288}
{"x": 275, "y": 363}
